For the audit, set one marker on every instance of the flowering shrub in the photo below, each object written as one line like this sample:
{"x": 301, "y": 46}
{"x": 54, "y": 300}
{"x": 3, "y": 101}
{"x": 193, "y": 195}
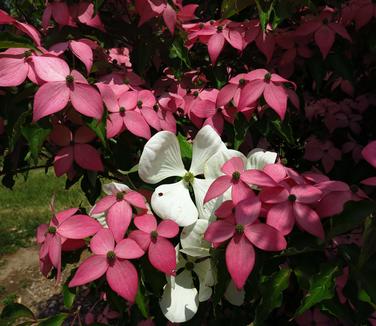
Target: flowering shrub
{"x": 234, "y": 142}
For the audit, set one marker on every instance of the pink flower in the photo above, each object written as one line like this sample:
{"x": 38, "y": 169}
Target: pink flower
{"x": 23, "y": 27}
{"x": 261, "y": 82}
{"x": 75, "y": 149}
{"x": 235, "y": 177}
{"x": 369, "y": 153}
{"x": 62, "y": 86}
{"x": 315, "y": 317}
{"x": 290, "y": 205}
{"x": 316, "y": 150}
{"x": 122, "y": 113}
{"x": 63, "y": 226}
{"x": 59, "y": 11}
{"x": 324, "y": 30}
{"x": 153, "y": 238}
{"x": 244, "y": 231}
{"x": 15, "y": 66}
{"x": 84, "y": 13}
{"x": 118, "y": 206}
{"x": 81, "y": 48}
{"x": 112, "y": 260}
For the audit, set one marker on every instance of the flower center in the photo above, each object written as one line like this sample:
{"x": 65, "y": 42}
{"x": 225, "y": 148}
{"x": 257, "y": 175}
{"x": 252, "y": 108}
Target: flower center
{"x": 219, "y": 29}
{"x": 69, "y": 79}
{"x": 195, "y": 93}
{"x": 325, "y": 21}
{"x": 51, "y": 229}
{"x": 28, "y": 53}
{"x": 119, "y": 196}
{"x": 201, "y": 25}
{"x": 189, "y": 177}
{"x": 126, "y": 81}
{"x": 154, "y": 235}
{"x": 122, "y": 111}
{"x": 239, "y": 228}
{"x": 354, "y": 188}
{"x": 189, "y": 266}
{"x": 139, "y": 104}
{"x": 236, "y": 176}
{"x": 291, "y": 198}
{"x": 242, "y": 82}
{"x": 111, "y": 256}
{"x": 267, "y": 77}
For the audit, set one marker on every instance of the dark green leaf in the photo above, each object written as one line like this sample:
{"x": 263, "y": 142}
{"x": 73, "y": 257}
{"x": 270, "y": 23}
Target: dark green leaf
{"x": 100, "y": 130}
{"x": 272, "y": 288}
{"x": 178, "y": 50}
{"x": 232, "y": 7}
{"x": 56, "y": 320}
{"x": 97, "y": 5}
{"x": 35, "y": 137}
{"x": 283, "y": 128}
{"x": 338, "y": 310}
{"x": 69, "y": 295}
{"x": 352, "y": 216}
{"x": 141, "y": 303}
{"x": 321, "y": 287}
{"x": 91, "y": 188}
{"x": 14, "y": 311}
{"x": 16, "y": 130}
{"x": 8, "y": 40}
{"x": 241, "y": 127}
{"x": 185, "y": 147}
{"x": 369, "y": 241}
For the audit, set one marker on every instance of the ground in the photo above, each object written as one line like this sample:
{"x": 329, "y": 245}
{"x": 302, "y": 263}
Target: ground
{"x": 21, "y": 211}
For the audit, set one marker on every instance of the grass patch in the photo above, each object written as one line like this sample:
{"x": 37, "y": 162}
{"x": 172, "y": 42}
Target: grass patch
{"x": 27, "y": 205}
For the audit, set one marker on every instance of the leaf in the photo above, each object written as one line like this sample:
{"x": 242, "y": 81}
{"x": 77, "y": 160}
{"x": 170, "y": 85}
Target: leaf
{"x": 91, "y": 189}
{"x": 35, "y": 137}
{"x": 133, "y": 169}
{"x": 141, "y": 303}
{"x": 321, "y": 287}
{"x": 272, "y": 288}
{"x": 352, "y": 216}
{"x": 14, "y": 311}
{"x": 69, "y": 295}
{"x": 100, "y": 130}
{"x": 56, "y": 320}
{"x": 284, "y": 129}
{"x": 241, "y": 127}
{"x": 338, "y": 310}
{"x": 232, "y": 7}
{"x": 368, "y": 248}
{"x": 178, "y": 50}
{"x": 185, "y": 147}
{"x": 8, "y": 40}
{"x": 97, "y": 5}
{"x": 16, "y": 130}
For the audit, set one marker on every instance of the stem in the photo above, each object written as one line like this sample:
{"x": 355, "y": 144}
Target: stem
{"x": 25, "y": 169}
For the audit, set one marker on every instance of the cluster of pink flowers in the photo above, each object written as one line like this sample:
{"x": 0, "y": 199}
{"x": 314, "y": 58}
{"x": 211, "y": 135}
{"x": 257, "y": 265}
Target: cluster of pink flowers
{"x": 111, "y": 248}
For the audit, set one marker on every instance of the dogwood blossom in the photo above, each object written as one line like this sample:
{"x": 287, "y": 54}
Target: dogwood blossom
{"x": 161, "y": 158}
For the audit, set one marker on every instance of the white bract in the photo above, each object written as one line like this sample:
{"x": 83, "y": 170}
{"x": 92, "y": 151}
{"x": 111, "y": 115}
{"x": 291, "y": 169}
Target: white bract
{"x": 161, "y": 158}
{"x": 180, "y": 299}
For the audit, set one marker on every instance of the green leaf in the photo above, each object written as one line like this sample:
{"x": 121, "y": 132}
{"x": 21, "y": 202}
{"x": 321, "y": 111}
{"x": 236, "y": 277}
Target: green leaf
{"x": 368, "y": 248}
{"x": 56, "y": 320}
{"x": 35, "y": 137}
{"x": 16, "y": 129}
{"x": 178, "y": 50}
{"x": 69, "y": 294}
{"x": 185, "y": 147}
{"x": 232, "y": 7}
{"x": 283, "y": 128}
{"x": 321, "y": 287}
{"x": 272, "y": 288}
{"x": 133, "y": 169}
{"x": 97, "y": 5}
{"x": 352, "y": 216}
{"x": 8, "y": 40}
{"x": 141, "y": 303}
{"x": 14, "y": 311}
{"x": 100, "y": 130}
{"x": 241, "y": 127}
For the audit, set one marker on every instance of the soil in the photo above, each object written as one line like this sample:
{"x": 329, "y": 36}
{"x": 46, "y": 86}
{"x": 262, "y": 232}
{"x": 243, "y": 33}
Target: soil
{"x": 22, "y": 282}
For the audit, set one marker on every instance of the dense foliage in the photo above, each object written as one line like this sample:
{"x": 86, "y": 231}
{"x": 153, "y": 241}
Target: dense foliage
{"x": 234, "y": 142}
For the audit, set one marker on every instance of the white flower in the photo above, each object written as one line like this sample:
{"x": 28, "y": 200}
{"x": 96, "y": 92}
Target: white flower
{"x": 180, "y": 299}
{"x": 233, "y": 295}
{"x": 192, "y": 239}
{"x": 161, "y": 158}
